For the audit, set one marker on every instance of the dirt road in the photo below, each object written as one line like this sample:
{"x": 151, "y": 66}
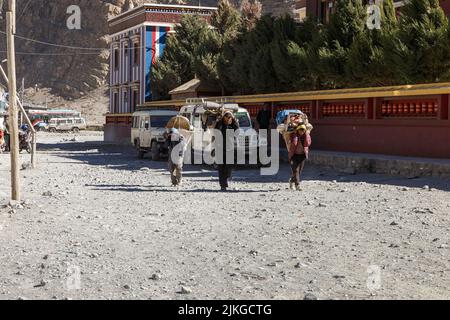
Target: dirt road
{"x": 97, "y": 223}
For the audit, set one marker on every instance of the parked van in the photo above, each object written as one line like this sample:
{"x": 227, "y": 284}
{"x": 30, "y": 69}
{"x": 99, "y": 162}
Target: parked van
{"x": 66, "y": 124}
{"x": 147, "y": 132}
{"x": 202, "y": 120}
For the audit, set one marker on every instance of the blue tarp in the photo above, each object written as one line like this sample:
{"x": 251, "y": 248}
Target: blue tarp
{"x": 282, "y": 115}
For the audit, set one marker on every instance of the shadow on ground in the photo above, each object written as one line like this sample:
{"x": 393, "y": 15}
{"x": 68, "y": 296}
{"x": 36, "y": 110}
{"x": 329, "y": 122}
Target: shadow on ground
{"x": 115, "y": 157}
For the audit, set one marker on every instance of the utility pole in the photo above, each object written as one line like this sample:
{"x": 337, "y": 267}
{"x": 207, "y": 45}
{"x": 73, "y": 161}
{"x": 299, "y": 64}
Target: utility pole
{"x": 13, "y": 114}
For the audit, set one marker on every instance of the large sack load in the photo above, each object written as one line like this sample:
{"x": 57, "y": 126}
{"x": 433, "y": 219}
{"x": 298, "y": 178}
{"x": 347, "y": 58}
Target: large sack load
{"x": 179, "y": 122}
{"x": 289, "y": 120}
{"x": 183, "y": 125}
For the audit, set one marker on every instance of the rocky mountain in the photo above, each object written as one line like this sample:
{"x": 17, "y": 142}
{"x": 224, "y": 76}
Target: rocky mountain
{"x": 73, "y": 72}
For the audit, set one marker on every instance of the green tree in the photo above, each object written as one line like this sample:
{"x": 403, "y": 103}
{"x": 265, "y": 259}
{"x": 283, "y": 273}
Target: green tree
{"x": 328, "y": 54}
{"x": 180, "y": 58}
{"x": 289, "y": 55}
{"x": 234, "y": 65}
{"x": 256, "y": 50}
{"x": 250, "y": 64}
{"x": 196, "y": 50}
{"x": 227, "y": 26}
{"x": 422, "y": 48}
{"x": 368, "y": 57}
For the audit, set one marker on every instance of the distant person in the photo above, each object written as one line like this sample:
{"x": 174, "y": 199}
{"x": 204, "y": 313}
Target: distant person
{"x": 7, "y": 136}
{"x": 263, "y": 118}
{"x": 2, "y": 138}
{"x": 177, "y": 148}
{"x": 299, "y": 143}
{"x": 227, "y": 122}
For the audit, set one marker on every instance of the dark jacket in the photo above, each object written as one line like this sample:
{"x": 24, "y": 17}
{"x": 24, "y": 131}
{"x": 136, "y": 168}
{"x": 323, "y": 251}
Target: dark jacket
{"x": 223, "y": 129}
{"x": 263, "y": 119}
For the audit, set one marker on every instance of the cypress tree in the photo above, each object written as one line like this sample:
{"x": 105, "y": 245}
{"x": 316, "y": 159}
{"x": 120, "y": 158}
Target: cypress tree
{"x": 180, "y": 58}
{"x": 227, "y": 26}
{"x": 423, "y": 47}
{"x": 368, "y": 62}
{"x": 289, "y": 55}
{"x": 329, "y": 55}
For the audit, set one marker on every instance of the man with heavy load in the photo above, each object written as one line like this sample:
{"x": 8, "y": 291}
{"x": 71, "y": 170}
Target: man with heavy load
{"x": 4, "y": 136}
{"x": 295, "y": 128}
{"x": 298, "y": 148}
{"x": 177, "y": 136}
{"x": 227, "y": 123}
{"x": 177, "y": 148}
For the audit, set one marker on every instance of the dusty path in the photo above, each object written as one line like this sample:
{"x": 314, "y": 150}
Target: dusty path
{"x": 97, "y": 210}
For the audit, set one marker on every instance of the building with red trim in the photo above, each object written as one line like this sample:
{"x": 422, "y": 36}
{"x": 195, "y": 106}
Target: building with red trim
{"x": 138, "y": 37}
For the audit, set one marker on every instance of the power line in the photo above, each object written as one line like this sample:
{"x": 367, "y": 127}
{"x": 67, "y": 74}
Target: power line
{"x": 57, "y": 45}
{"x": 71, "y": 47}
{"x": 52, "y": 54}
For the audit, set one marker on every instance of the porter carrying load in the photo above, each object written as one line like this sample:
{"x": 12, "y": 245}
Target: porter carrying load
{"x": 295, "y": 128}
{"x": 183, "y": 125}
{"x": 289, "y": 120}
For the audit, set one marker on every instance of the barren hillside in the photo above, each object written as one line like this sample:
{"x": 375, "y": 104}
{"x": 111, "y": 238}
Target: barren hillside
{"x": 77, "y": 67}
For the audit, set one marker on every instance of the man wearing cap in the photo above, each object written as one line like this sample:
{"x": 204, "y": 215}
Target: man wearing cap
{"x": 177, "y": 149}
{"x": 227, "y": 122}
{"x": 299, "y": 143}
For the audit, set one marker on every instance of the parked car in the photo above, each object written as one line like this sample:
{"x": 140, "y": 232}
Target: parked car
{"x": 40, "y": 126}
{"x": 200, "y": 115}
{"x": 66, "y": 124}
{"x": 147, "y": 132}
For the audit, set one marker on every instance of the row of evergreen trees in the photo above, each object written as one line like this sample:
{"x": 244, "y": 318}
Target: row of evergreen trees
{"x": 246, "y": 53}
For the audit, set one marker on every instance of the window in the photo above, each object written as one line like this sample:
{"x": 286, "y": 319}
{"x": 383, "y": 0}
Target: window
{"x": 115, "y": 100}
{"x": 136, "y": 53}
{"x": 135, "y": 122}
{"x": 142, "y": 123}
{"x": 135, "y": 99}
{"x": 244, "y": 119}
{"x": 116, "y": 58}
{"x": 160, "y": 121}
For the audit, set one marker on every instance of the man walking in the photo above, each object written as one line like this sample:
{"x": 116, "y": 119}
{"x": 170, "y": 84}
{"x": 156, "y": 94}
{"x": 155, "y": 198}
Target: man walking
{"x": 263, "y": 118}
{"x": 227, "y": 123}
{"x": 177, "y": 149}
{"x": 299, "y": 143}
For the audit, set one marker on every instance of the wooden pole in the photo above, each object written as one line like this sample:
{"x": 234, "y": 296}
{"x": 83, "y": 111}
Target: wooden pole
{"x": 27, "y": 119}
{"x": 13, "y": 114}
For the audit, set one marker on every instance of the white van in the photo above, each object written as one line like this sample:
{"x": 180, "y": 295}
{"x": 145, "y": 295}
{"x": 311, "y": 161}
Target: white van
{"x": 66, "y": 124}
{"x": 147, "y": 132}
{"x": 197, "y": 114}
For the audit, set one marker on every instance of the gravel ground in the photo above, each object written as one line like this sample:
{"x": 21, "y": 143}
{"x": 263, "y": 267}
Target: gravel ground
{"x": 97, "y": 223}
